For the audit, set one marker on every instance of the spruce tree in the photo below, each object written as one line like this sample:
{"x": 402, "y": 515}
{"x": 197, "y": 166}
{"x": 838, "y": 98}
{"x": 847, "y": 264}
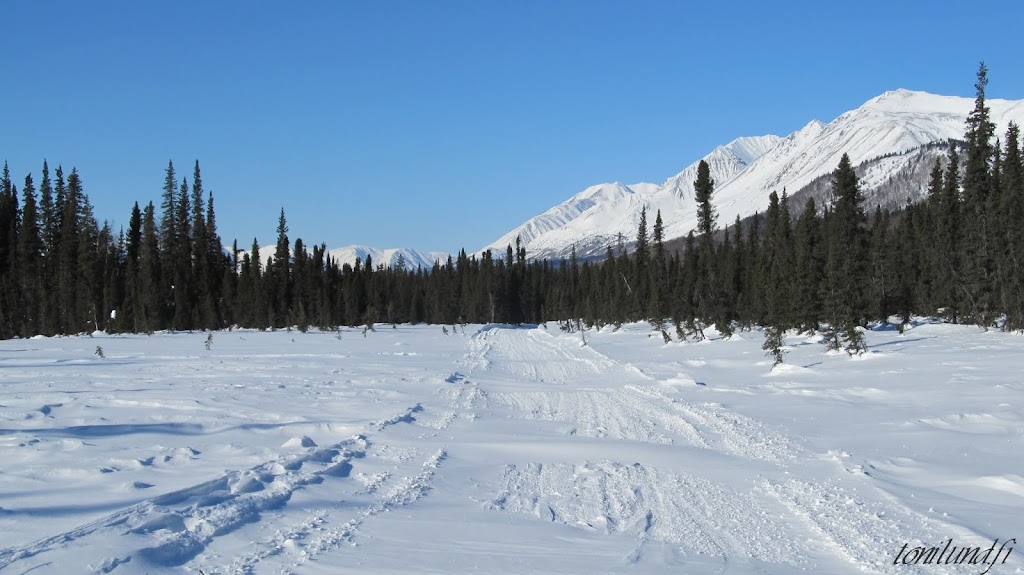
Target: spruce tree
{"x": 200, "y": 273}
{"x": 151, "y": 294}
{"x": 808, "y": 277}
{"x": 132, "y": 310}
{"x": 218, "y": 266}
{"x": 49, "y": 227}
{"x": 774, "y": 344}
{"x": 69, "y": 291}
{"x": 9, "y": 295}
{"x": 707, "y": 288}
{"x": 1011, "y": 237}
{"x": 933, "y": 260}
{"x": 29, "y": 253}
{"x": 641, "y": 269}
{"x": 657, "y": 306}
{"x": 88, "y": 264}
{"x": 844, "y": 290}
{"x": 280, "y": 275}
{"x": 169, "y": 251}
{"x": 976, "y": 250}
{"x": 704, "y": 187}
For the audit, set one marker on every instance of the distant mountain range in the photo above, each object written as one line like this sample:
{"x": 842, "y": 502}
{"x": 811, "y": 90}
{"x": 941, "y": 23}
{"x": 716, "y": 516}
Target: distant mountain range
{"x": 892, "y": 139}
{"x": 389, "y": 257}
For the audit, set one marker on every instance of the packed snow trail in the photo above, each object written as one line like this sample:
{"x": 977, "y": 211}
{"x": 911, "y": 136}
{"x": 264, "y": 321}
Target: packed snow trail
{"x": 753, "y": 516}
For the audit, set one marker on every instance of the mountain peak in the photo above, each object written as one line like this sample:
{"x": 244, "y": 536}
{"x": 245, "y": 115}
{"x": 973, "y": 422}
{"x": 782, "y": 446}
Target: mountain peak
{"x": 897, "y": 94}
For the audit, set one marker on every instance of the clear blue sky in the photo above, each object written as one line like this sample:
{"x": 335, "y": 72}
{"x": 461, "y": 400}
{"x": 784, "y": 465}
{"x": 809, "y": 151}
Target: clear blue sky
{"x": 440, "y": 124}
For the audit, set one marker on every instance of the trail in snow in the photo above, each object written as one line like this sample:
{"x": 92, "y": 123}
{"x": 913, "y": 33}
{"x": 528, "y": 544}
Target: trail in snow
{"x": 770, "y": 518}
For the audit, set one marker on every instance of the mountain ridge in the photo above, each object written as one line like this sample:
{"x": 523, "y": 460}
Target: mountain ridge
{"x": 748, "y": 169}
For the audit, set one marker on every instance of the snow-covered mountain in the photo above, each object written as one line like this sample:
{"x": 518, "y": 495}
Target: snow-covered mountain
{"x": 389, "y": 257}
{"x": 593, "y": 218}
{"x": 747, "y": 170}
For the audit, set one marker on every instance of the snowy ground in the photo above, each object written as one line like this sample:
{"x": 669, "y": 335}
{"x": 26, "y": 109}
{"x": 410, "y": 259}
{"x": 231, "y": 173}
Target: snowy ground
{"x": 506, "y": 450}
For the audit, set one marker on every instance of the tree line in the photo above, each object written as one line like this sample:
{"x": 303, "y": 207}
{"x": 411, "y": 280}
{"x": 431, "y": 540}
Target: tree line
{"x": 835, "y": 268}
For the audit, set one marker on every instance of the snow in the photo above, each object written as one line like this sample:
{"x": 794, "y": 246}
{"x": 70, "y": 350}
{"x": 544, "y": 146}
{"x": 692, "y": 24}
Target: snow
{"x": 748, "y": 169}
{"x": 504, "y": 449}
{"x": 387, "y": 256}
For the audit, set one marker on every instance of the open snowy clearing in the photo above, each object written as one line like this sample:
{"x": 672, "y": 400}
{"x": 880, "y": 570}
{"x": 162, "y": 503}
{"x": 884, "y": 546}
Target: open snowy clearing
{"x": 506, "y": 450}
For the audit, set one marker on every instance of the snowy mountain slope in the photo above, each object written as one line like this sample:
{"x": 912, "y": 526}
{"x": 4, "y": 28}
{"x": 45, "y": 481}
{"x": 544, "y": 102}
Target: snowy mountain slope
{"x": 601, "y": 199}
{"x": 593, "y": 218}
{"x": 889, "y": 182}
{"x": 747, "y": 170}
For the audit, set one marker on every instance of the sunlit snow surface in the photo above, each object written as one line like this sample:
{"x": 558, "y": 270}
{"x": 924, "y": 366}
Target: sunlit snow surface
{"x": 506, "y": 450}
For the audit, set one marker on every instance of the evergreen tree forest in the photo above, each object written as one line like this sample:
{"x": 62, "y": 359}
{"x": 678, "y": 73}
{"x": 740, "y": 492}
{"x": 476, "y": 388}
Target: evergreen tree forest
{"x": 837, "y": 268}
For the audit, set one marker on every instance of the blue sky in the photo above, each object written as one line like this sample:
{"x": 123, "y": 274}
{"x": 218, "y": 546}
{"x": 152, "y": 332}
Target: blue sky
{"x": 443, "y": 124}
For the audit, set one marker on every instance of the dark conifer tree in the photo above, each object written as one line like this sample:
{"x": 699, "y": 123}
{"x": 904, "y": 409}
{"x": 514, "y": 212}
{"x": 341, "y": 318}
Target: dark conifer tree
{"x": 71, "y": 318}
{"x": 30, "y": 264}
{"x": 280, "y": 276}
{"x": 704, "y": 187}
{"x": 927, "y": 235}
{"x": 844, "y": 289}
{"x": 8, "y": 261}
{"x": 184, "y": 292}
{"x": 777, "y": 264}
{"x": 257, "y": 301}
{"x": 202, "y": 304}
{"x": 89, "y": 268}
{"x": 1011, "y": 235}
{"x": 658, "y": 306}
{"x": 49, "y": 226}
{"x": 948, "y": 225}
{"x": 640, "y": 280}
{"x": 168, "y": 243}
{"x": 882, "y": 267}
{"x": 151, "y": 294}
{"x": 808, "y": 261}
{"x": 977, "y": 186}
{"x": 131, "y": 312}
{"x": 221, "y": 285}
{"x": 752, "y": 310}
{"x": 708, "y": 291}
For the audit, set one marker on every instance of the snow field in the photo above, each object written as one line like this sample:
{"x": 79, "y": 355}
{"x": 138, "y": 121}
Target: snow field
{"x": 505, "y": 450}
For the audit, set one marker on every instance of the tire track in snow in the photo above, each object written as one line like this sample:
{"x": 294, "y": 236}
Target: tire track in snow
{"x": 605, "y": 413}
{"x": 781, "y": 521}
{"x": 737, "y": 434}
{"x": 635, "y": 410}
{"x": 525, "y": 354}
{"x": 701, "y": 517}
{"x": 857, "y": 529}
